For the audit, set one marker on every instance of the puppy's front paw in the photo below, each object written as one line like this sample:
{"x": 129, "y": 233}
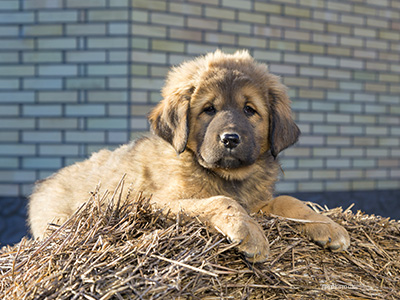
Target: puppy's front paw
{"x": 328, "y": 235}
{"x": 251, "y": 239}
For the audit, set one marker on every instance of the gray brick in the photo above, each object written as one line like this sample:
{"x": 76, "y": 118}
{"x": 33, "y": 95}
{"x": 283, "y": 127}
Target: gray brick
{"x": 86, "y": 29}
{"x": 41, "y": 136}
{"x": 325, "y": 152}
{"x": 17, "y": 123}
{"x": 58, "y": 123}
{"x": 338, "y": 141}
{"x": 58, "y": 150}
{"x": 7, "y": 31}
{"x": 117, "y": 137}
{"x": 83, "y": 110}
{"x": 296, "y": 174}
{"x": 118, "y": 29}
{"x": 167, "y": 19}
{"x": 377, "y": 152}
{"x": 107, "y": 123}
{"x": 286, "y": 187}
{"x": 42, "y": 84}
{"x": 9, "y": 5}
{"x": 353, "y": 107}
{"x": 85, "y": 83}
{"x": 17, "y": 44}
{"x": 150, "y": 84}
{"x": 107, "y": 69}
{"x": 85, "y": 137}
{"x": 118, "y": 83}
{"x": 351, "y": 174}
{"x": 86, "y": 56}
{"x": 11, "y": 97}
{"x": 86, "y": 3}
{"x": 9, "y": 110}
{"x": 283, "y": 69}
{"x": 150, "y": 4}
{"x": 364, "y": 163}
{"x": 16, "y": 70}
{"x": 186, "y": 9}
{"x": 108, "y": 15}
{"x": 118, "y": 56}
{"x": 354, "y": 86}
{"x": 139, "y": 123}
{"x": 42, "y": 57}
{"x": 202, "y": 23}
{"x": 107, "y": 43}
{"x": 9, "y": 84}
{"x": 341, "y": 96}
{"x": 149, "y": 30}
{"x": 351, "y": 130}
{"x": 338, "y": 163}
{"x": 9, "y": 136}
{"x": 13, "y": 17}
{"x": 365, "y": 141}
{"x": 42, "y": 30}
{"x": 236, "y": 27}
{"x": 219, "y": 13}
{"x": 118, "y": 110}
{"x": 17, "y": 150}
{"x": 9, "y": 163}
{"x": 57, "y": 96}
{"x": 57, "y": 43}
{"x": 325, "y": 129}
{"x": 311, "y": 163}
{"x": 220, "y": 38}
{"x": 9, "y": 57}
{"x": 41, "y": 110}
{"x": 107, "y": 96}
{"x": 58, "y": 70}
{"x": 57, "y": 16}
{"x": 17, "y": 176}
{"x": 338, "y": 118}
{"x": 42, "y": 163}
{"x": 313, "y": 186}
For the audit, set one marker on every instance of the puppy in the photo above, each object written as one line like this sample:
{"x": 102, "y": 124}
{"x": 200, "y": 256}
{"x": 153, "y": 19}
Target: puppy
{"x": 213, "y": 154}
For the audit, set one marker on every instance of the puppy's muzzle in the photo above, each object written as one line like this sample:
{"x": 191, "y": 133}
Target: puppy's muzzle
{"x": 230, "y": 140}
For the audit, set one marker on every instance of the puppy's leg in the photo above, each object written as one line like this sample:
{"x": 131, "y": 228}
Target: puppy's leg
{"x": 323, "y": 231}
{"x": 228, "y": 217}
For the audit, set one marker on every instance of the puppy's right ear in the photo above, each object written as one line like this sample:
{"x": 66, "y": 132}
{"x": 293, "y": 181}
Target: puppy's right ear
{"x": 170, "y": 118}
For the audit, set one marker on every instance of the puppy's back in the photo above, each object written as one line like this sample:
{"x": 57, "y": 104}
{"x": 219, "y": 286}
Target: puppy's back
{"x": 56, "y": 198}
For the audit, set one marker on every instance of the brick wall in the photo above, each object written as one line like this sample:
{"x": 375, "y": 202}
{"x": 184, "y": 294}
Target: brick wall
{"x": 76, "y": 76}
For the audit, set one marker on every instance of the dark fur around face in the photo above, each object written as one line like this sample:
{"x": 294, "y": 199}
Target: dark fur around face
{"x": 227, "y": 109}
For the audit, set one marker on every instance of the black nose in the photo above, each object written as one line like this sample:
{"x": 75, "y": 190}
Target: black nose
{"x": 230, "y": 140}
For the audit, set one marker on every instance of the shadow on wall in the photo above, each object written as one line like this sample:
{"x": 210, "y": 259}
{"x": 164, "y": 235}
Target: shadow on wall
{"x": 13, "y": 214}
{"x": 380, "y": 202}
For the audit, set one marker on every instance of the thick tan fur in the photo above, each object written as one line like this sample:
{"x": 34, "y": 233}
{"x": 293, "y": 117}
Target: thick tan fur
{"x": 222, "y": 122}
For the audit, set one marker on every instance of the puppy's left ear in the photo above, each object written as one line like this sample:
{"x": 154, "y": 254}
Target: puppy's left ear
{"x": 170, "y": 118}
{"x": 283, "y": 130}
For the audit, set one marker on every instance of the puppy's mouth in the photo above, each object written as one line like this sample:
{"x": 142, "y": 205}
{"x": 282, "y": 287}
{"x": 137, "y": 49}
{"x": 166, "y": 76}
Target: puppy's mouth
{"x": 229, "y": 162}
{"x": 226, "y": 162}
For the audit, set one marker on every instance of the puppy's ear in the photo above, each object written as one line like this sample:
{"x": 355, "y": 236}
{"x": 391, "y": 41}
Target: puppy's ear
{"x": 283, "y": 130}
{"x": 170, "y": 119}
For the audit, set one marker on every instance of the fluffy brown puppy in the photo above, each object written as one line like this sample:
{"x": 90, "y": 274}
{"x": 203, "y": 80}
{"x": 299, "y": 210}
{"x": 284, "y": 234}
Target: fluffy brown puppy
{"x": 217, "y": 133}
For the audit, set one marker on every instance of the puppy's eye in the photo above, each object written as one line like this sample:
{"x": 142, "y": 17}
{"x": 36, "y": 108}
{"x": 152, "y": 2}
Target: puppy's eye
{"x": 249, "y": 111}
{"x": 210, "y": 110}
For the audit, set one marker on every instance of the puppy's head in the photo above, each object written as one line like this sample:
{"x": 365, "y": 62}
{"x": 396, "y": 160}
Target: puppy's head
{"x": 226, "y": 109}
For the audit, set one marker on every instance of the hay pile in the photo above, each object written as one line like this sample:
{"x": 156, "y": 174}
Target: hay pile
{"x": 130, "y": 251}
